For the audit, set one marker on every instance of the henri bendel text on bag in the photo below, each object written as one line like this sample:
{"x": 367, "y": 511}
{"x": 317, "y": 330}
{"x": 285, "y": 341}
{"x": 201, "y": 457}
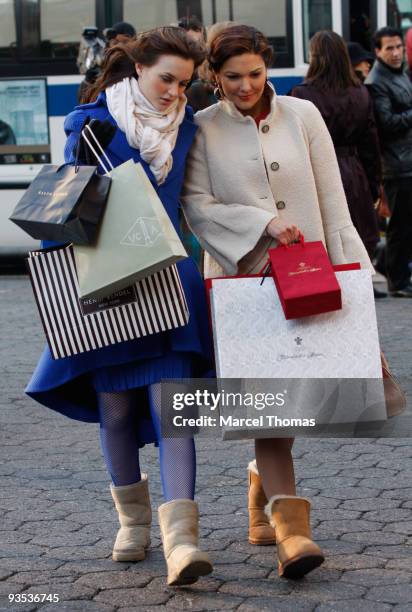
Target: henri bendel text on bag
{"x": 120, "y": 298}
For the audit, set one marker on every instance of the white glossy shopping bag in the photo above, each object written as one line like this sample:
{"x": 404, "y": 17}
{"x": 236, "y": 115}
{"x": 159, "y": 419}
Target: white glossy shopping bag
{"x": 334, "y": 354}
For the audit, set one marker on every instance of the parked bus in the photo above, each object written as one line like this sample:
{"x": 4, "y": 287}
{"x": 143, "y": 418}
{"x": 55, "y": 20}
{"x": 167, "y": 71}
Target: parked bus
{"x": 39, "y": 41}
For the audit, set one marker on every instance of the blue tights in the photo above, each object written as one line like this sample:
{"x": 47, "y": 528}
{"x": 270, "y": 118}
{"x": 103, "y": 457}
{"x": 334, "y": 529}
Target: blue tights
{"x": 118, "y": 436}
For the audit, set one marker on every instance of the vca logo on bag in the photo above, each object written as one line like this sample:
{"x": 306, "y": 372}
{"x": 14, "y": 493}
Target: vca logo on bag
{"x": 144, "y": 233}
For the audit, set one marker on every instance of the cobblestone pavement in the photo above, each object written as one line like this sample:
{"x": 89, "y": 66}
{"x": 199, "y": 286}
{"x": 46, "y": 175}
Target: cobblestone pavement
{"x": 57, "y": 520}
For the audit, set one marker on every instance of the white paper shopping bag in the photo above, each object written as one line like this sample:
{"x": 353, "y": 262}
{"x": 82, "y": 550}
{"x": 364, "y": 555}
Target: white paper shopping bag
{"x": 136, "y": 237}
{"x": 253, "y": 341}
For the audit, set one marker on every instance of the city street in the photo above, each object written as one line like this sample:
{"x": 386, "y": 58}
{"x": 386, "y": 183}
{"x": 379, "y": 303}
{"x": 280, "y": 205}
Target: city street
{"x": 58, "y": 523}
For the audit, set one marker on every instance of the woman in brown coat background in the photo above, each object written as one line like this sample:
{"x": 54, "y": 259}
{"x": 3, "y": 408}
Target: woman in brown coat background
{"x": 345, "y": 105}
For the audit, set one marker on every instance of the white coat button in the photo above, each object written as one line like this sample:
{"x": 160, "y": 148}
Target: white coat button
{"x": 265, "y": 129}
{"x": 280, "y": 205}
{"x": 274, "y": 166}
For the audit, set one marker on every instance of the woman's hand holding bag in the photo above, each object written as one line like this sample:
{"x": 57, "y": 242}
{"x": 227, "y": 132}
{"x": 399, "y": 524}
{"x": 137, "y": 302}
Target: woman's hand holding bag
{"x": 283, "y": 232}
{"x": 104, "y": 132}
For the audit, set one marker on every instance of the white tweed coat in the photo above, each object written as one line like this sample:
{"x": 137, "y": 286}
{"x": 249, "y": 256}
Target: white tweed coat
{"x": 239, "y": 177}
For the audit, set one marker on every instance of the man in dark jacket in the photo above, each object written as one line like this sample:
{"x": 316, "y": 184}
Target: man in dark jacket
{"x": 391, "y": 91}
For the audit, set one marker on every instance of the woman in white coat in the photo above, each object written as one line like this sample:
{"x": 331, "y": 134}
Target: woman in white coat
{"x": 262, "y": 170}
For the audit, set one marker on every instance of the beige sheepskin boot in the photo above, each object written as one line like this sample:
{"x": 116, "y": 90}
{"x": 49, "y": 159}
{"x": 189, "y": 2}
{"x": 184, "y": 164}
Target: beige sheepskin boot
{"x": 135, "y": 517}
{"x": 179, "y": 525}
{"x": 297, "y": 553}
{"x": 261, "y": 533}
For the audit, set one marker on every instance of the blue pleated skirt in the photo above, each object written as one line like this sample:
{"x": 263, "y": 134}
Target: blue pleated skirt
{"x": 142, "y": 373}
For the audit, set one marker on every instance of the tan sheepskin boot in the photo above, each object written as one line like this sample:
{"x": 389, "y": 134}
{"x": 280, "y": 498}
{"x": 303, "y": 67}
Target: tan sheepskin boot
{"x": 135, "y": 517}
{"x": 297, "y": 553}
{"x": 261, "y": 533}
{"x": 179, "y": 525}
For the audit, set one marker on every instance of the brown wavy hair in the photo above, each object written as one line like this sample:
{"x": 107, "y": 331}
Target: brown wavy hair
{"x": 330, "y": 67}
{"x": 120, "y": 60}
{"x": 236, "y": 40}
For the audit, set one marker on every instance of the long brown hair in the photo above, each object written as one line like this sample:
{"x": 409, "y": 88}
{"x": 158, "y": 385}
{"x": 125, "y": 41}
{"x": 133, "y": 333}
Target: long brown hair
{"x": 236, "y": 40}
{"x": 330, "y": 67}
{"x": 120, "y": 60}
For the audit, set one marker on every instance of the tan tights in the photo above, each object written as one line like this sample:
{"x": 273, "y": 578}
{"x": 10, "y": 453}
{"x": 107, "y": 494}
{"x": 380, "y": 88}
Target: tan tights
{"x": 275, "y": 465}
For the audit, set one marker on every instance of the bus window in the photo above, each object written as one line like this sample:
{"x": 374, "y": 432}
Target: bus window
{"x": 147, "y": 14}
{"x": 400, "y": 14}
{"x": 7, "y": 29}
{"x": 317, "y": 15}
{"x": 62, "y": 22}
{"x": 273, "y": 19}
{"x": 361, "y": 23}
{"x": 51, "y": 29}
{"x": 42, "y": 37}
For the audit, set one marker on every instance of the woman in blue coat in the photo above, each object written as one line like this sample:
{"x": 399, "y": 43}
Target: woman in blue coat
{"x": 139, "y": 98}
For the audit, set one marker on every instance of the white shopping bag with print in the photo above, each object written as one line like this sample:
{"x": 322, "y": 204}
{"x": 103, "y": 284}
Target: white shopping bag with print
{"x": 328, "y": 365}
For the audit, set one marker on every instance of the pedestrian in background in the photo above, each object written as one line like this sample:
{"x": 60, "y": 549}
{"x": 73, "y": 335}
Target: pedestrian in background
{"x": 408, "y": 46}
{"x": 140, "y": 108}
{"x": 360, "y": 59}
{"x": 262, "y": 170}
{"x": 201, "y": 93}
{"x": 90, "y": 58}
{"x": 120, "y": 32}
{"x": 391, "y": 91}
{"x": 347, "y": 110}
{"x": 193, "y": 27}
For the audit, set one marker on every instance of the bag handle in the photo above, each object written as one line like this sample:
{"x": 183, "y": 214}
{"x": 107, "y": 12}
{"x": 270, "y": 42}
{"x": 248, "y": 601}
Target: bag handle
{"x": 99, "y": 146}
{"x": 267, "y": 268}
{"x": 76, "y": 161}
{"x": 300, "y": 240}
{"x": 265, "y": 271}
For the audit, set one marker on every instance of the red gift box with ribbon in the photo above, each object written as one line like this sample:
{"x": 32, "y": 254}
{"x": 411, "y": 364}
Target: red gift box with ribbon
{"x": 305, "y": 279}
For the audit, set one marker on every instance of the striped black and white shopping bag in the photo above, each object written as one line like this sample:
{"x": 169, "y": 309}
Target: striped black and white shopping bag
{"x": 75, "y": 325}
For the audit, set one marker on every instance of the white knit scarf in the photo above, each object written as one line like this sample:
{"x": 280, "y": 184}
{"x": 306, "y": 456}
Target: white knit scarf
{"x": 151, "y": 131}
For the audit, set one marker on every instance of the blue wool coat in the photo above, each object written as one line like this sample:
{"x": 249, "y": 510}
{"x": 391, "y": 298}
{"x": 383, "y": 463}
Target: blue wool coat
{"x": 66, "y": 385}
